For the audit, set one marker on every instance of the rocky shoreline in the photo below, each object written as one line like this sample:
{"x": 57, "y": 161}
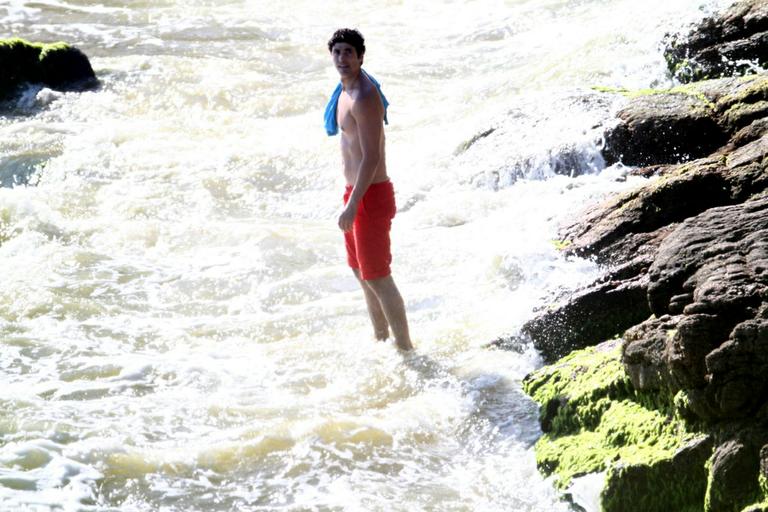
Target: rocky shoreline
{"x": 659, "y": 370}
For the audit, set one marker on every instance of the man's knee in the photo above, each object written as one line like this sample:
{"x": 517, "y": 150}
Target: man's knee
{"x": 381, "y": 284}
{"x": 356, "y": 272}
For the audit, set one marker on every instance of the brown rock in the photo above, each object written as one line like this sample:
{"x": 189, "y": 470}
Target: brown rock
{"x": 588, "y": 317}
{"x": 656, "y": 128}
{"x": 643, "y": 354}
{"x": 713, "y": 267}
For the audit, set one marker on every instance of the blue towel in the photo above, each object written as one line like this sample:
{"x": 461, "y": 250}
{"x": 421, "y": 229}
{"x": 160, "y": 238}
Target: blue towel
{"x": 331, "y": 125}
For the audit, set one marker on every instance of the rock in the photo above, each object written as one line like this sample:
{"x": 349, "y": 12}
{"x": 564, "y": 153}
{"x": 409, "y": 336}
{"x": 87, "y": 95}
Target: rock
{"x": 66, "y": 68}
{"x": 464, "y": 146}
{"x": 589, "y": 316}
{"x": 707, "y": 253}
{"x": 656, "y": 127}
{"x": 733, "y": 477}
{"x": 755, "y": 130}
{"x": 633, "y": 225}
{"x": 709, "y": 290}
{"x": 682, "y": 191}
{"x": 58, "y": 66}
{"x": 737, "y": 102}
{"x": 694, "y": 337}
{"x": 685, "y": 260}
{"x": 597, "y": 422}
{"x": 725, "y": 44}
{"x": 738, "y": 370}
{"x": 707, "y": 343}
{"x": 650, "y": 488}
{"x": 643, "y": 355}
{"x": 751, "y": 153}
{"x": 613, "y": 234}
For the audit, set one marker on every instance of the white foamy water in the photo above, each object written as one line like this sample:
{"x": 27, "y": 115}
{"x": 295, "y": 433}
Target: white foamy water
{"x": 178, "y": 327}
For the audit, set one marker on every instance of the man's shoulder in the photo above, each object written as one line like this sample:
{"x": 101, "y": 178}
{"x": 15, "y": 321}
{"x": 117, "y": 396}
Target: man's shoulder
{"x": 367, "y": 96}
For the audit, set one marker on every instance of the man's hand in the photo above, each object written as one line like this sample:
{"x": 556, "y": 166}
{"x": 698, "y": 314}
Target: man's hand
{"x": 347, "y": 217}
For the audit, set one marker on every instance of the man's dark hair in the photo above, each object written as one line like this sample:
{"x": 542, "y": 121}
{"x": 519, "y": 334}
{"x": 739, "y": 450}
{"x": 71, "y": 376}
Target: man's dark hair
{"x": 350, "y": 36}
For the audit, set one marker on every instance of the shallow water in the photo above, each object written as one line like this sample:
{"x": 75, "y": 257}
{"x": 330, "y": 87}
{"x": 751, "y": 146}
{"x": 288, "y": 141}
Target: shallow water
{"x": 179, "y": 330}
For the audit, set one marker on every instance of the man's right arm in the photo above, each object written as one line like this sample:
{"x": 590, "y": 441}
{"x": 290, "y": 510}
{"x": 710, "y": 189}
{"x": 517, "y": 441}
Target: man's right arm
{"x": 368, "y": 116}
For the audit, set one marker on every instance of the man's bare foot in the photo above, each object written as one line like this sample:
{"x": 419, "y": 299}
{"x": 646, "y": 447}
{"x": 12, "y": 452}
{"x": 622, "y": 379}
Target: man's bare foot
{"x": 404, "y": 346}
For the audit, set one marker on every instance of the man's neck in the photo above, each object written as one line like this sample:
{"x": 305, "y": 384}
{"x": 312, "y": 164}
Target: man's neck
{"x": 349, "y": 83}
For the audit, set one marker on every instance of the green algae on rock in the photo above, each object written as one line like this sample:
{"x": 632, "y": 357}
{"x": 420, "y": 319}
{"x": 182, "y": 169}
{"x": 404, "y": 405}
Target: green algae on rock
{"x": 594, "y": 420}
{"x": 56, "y": 65}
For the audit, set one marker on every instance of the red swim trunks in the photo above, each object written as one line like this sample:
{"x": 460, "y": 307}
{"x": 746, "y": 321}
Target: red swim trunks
{"x": 368, "y": 241}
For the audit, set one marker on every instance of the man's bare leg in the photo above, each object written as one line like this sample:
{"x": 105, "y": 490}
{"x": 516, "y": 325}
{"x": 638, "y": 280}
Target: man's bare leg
{"x": 393, "y": 307}
{"x": 379, "y": 321}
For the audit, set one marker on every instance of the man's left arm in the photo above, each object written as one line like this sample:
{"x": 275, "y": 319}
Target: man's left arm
{"x": 368, "y": 116}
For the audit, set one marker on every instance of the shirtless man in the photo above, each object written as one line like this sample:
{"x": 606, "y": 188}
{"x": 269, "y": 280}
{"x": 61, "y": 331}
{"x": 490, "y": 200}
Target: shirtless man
{"x": 369, "y": 198}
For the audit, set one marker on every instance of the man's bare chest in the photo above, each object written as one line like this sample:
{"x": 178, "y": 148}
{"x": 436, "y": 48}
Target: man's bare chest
{"x": 344, "y": 113}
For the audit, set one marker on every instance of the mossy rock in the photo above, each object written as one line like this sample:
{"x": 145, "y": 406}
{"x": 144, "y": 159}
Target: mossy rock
{"x": 734, "y": 479}
{"x": 666, "y": 483}
{"x": 57, "y": 65}
{"x": 575, "y": 391}
{"x": 595, "y": 421}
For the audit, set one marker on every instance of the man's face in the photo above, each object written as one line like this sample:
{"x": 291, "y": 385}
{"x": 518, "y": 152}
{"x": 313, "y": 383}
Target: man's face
{"x": 345, "y": 59}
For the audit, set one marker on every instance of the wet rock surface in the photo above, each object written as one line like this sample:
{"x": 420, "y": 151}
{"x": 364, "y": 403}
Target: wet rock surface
{"x": 655, "y": 128}
{"x": 685, "y": 285}
{"x": 589, "y": 316}
{"x": 625, "y": 233}
{"x": 687, "y": 122}
{"x": 724, "y": 44}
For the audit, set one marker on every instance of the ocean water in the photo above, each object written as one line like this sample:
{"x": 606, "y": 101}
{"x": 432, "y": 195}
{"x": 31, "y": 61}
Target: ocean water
{"x": 178, "y": 327}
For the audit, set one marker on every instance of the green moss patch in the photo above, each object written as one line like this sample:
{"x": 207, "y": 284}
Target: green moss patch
{"x": 628, "y": 434}
{"x": 764, "y": 486}
{"x": 561, "y": 245}
{"x": 688, "y": 90}
{"x": 676, "y": 482}
{"x": 40, "y": 49}
{"x": 595, "y": 421}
